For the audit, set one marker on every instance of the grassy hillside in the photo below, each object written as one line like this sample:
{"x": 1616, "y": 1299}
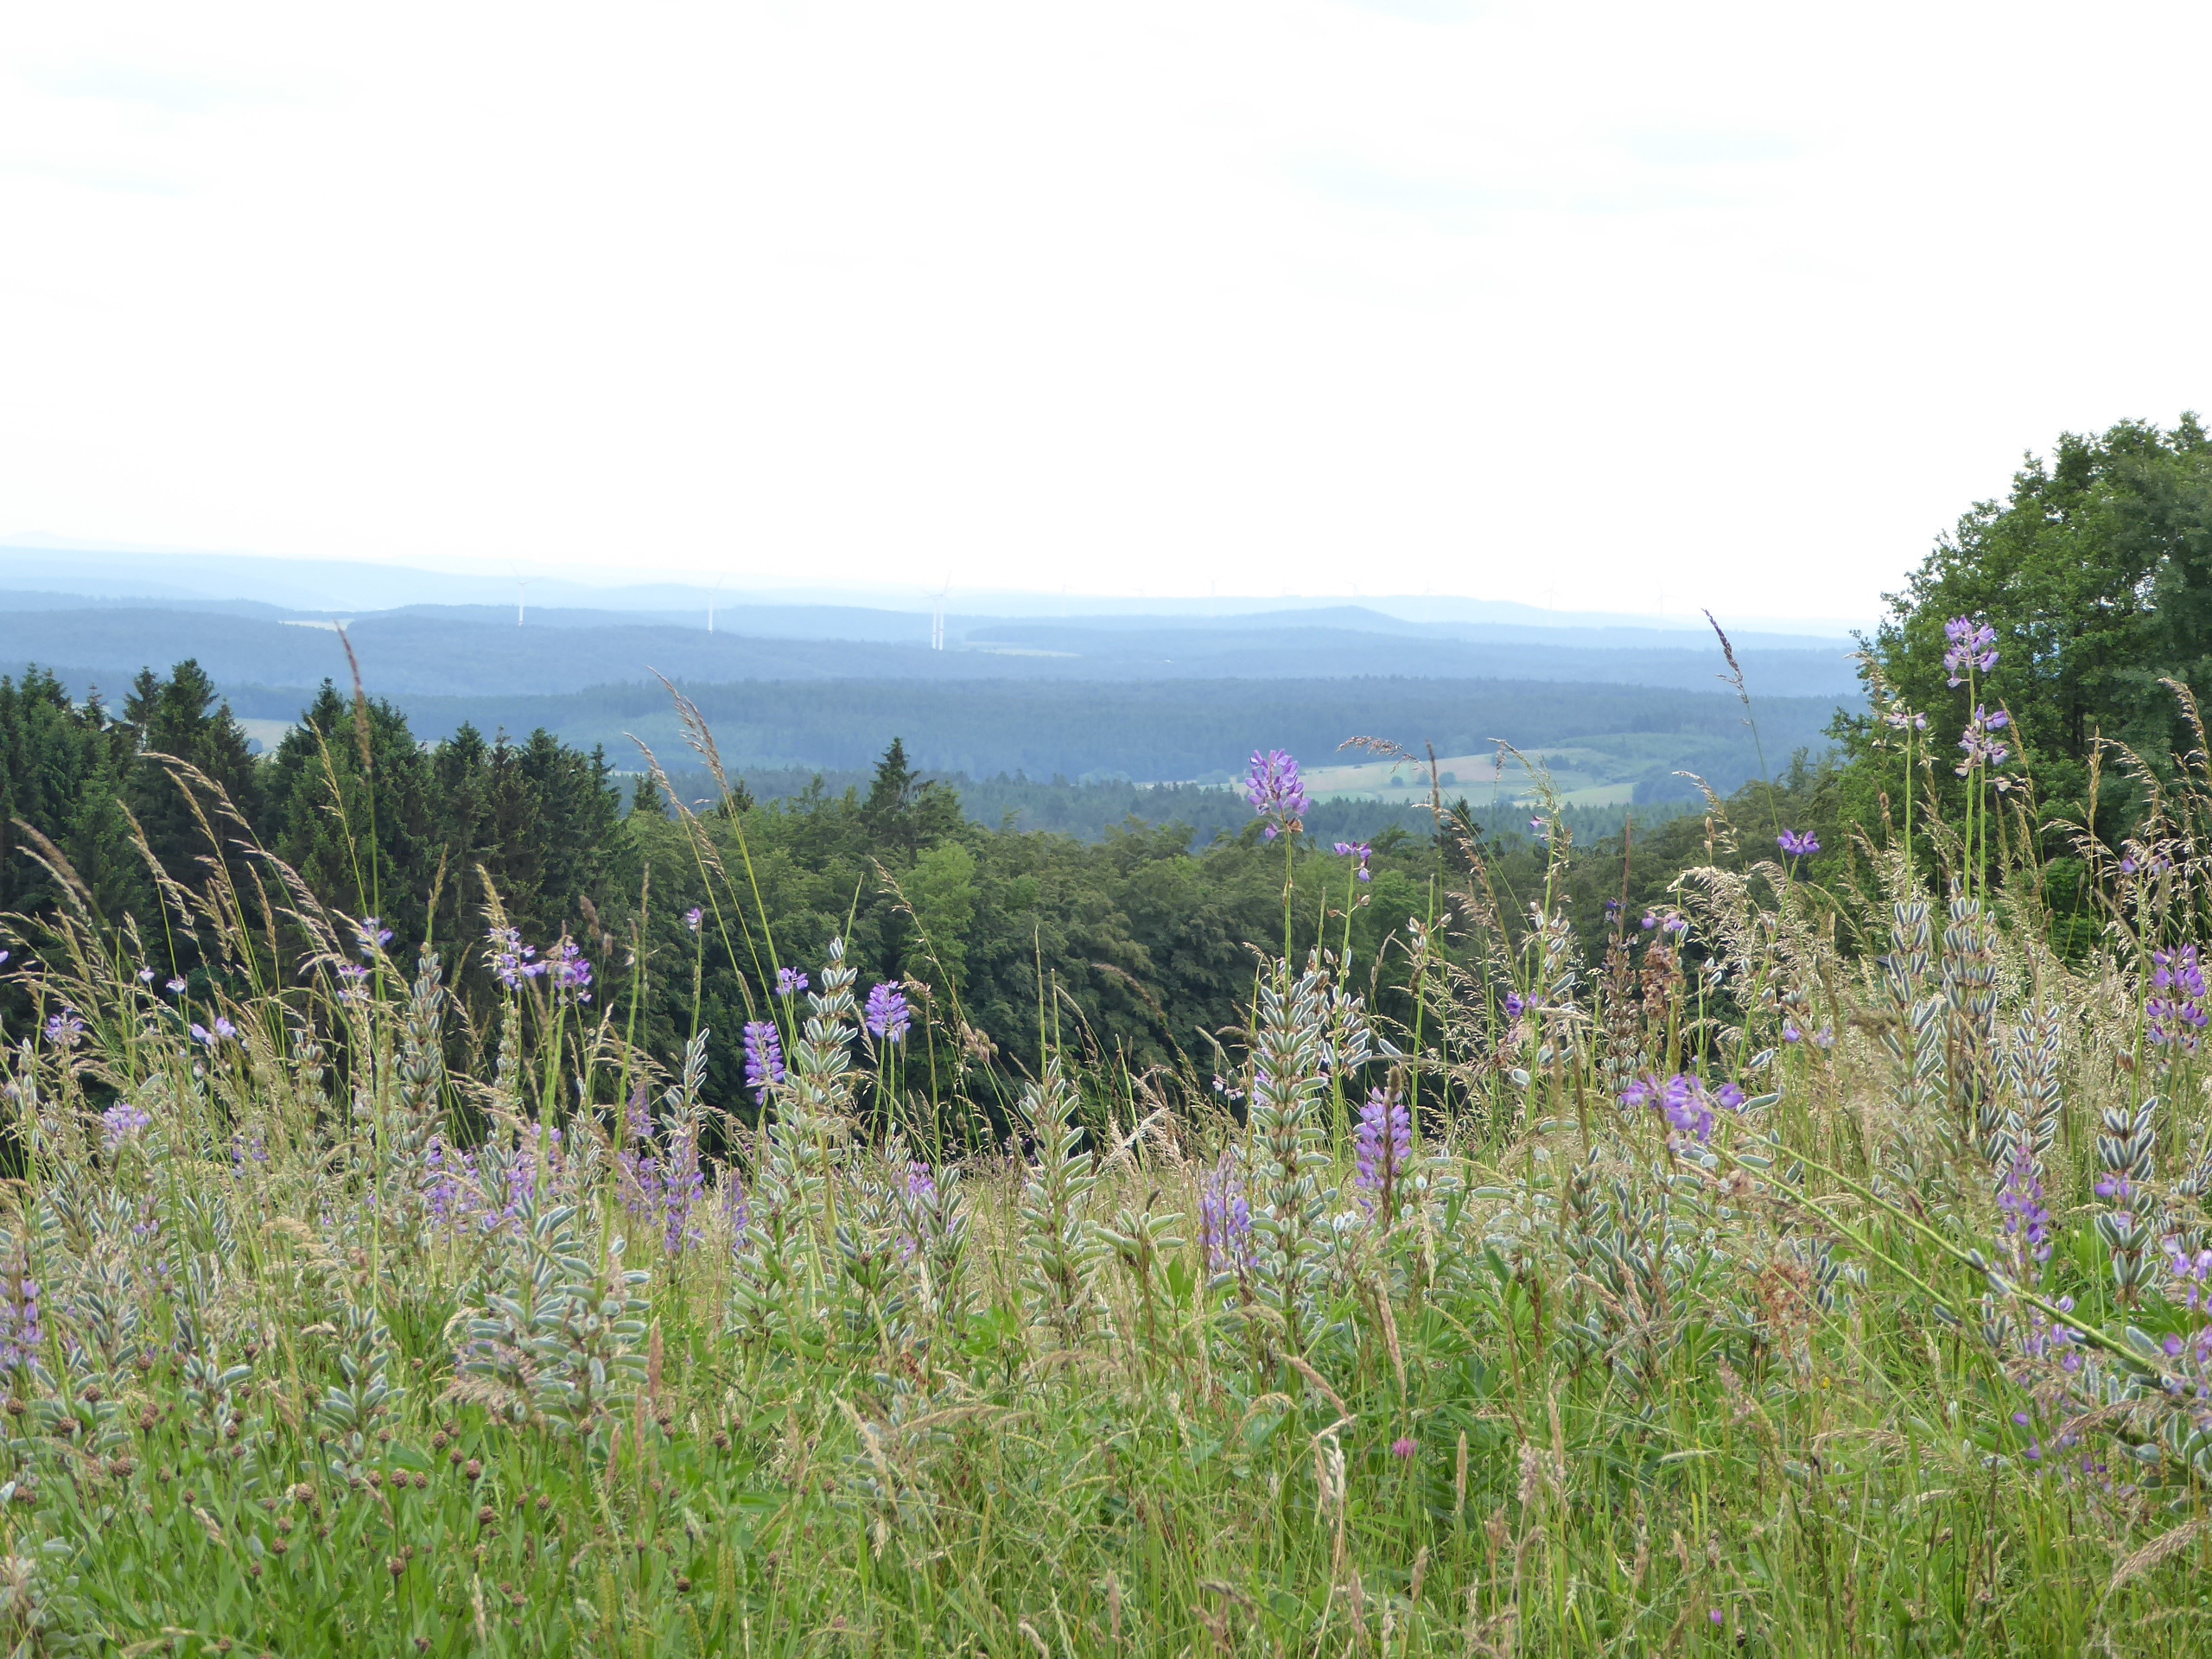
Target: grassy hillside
{"x": 1728, "y": 1293}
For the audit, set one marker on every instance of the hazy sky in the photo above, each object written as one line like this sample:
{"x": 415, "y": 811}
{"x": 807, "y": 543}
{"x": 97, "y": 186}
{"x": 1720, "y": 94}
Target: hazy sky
{"x": 1594, "y": 305}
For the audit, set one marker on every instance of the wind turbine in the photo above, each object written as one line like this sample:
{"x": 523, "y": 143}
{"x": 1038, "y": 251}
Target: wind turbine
{"x": 522, "y": 586}
{"x": 711, "y": 592}
{"x": 936, "y": 615}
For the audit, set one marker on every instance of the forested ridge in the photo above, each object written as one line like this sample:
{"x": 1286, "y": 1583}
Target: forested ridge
{"x": 1138, "y": 945}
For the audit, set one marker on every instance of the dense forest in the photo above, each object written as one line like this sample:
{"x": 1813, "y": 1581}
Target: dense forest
{"x": 1135, "y": 944}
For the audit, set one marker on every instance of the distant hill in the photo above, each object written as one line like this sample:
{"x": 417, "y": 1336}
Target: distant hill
{"x": 1179, "y": 694}
{"x": 475, "y": 652}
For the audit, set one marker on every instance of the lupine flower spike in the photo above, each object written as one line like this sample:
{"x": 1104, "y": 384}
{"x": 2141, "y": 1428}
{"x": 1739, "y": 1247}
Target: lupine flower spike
{"x": 764, "y": 1058}
{"x": 888, "y": 1015}
{"x": 1972, "y": 645}
{"x": 1276, "y": 792}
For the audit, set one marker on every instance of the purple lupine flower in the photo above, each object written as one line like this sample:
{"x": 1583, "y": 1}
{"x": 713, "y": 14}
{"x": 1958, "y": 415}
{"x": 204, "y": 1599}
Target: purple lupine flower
{"x": 1676, "y": 924}
{"x": 371, "y": 935}
{"x": 175, "y": 987}
{"x": 2191, "y": 1277}
{"x": 1903, "y": 719}
{"x": 1687, "y": 1108}
{"x": 2179, "y": 970}
{"x": 454, "y": 1191}
{"x": 764, "y": 1057}
{"x": 790, "y": 981}
{"x": 249, "y": 1148}
{"x": 921, "y": 1180}
{"x": 1978, "y": 747}
{"x": 442, "y": 1188}
{"x": 1225, "y": 1219}
{"x": 2128, "y": 866}
{"x": 224, "y": 1029}
{"x": 569, "y": 970}
{"x": 1276, "y": 792}
{"x": 20, "y": 1334}
{"x": 1540, "y": 829}
{"x": 1796, "y": 844}
{"x": 666, "y": 1188}
{"x": 1972, "y": 645}
{"x": 351, "y": 988}
{"x": 886, "y": 1013}
{"x": 121, "y": 1122}
{"x": 1685, "y": 1101}
{"x": 1515, "y": 1005}
{"x": 693, "y": 917}
{"x": 223, "y": 1033}
{"x": 1649, "y": 922}
{"x": 511, "y": 961}
{"x": 1383, "y": 1145}
{"x": 1359, "y": 849}
{"x": 145, "y": 974}
{"x": 1825, "y": 1037}
{"x": 64, "y": 1030}
{"x": 1790, "y": 1033}
{"x": 2176, "y": 1011}
{"x": 2027, "y": 1221}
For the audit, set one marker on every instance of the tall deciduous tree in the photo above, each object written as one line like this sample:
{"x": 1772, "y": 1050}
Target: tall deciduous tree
{"x": 2096, "y": 573}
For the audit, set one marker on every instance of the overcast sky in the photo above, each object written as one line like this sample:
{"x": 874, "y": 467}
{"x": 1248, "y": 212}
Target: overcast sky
{"x": 1600, "y": 306}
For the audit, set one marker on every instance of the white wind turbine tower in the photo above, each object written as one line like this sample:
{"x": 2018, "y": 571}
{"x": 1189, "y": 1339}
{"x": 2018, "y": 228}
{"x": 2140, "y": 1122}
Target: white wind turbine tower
{"x": 711, "y": 592}
{"x": 937, "y": 616}
{"x": 522, "y": 586}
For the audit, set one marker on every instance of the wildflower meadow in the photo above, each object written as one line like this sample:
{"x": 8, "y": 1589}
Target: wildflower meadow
{"x": 1814, "y": 1260}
